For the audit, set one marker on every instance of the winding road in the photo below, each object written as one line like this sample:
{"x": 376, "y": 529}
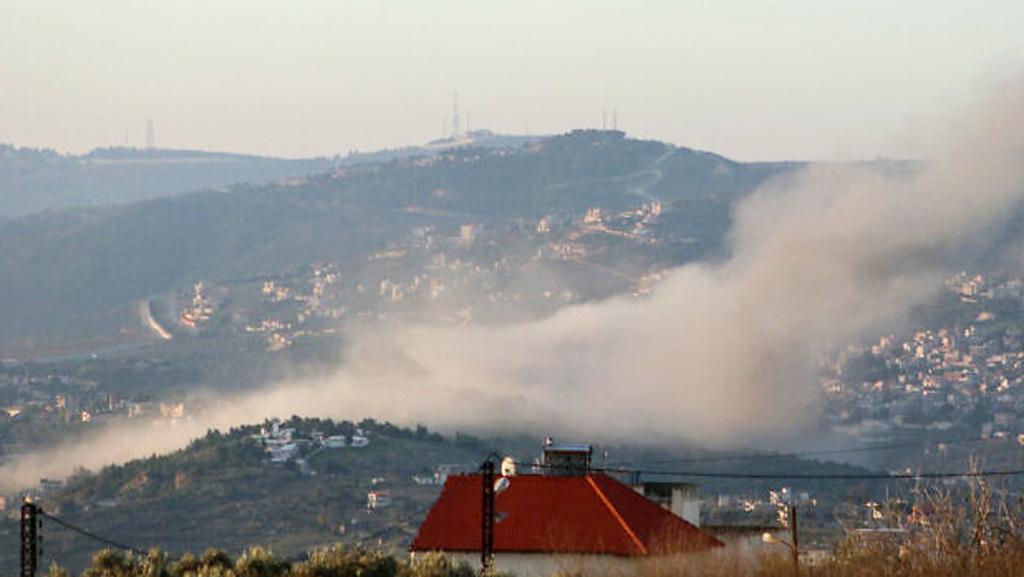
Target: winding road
{"x": 146, "y": 315}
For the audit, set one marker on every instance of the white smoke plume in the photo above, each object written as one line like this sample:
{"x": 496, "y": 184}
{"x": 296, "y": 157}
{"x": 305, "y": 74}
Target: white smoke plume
{"x": 720, "y": 354}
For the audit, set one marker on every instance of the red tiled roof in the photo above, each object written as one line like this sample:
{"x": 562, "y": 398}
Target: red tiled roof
{"x": 587, "y": 514}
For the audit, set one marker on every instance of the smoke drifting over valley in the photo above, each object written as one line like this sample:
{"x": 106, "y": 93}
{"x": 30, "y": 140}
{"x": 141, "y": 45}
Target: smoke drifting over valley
{"x": 718, "y": 354}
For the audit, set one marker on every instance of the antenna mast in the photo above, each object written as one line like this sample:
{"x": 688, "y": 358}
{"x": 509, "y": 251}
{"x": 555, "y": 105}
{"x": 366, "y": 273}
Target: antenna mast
{"x": 455, "y": 117}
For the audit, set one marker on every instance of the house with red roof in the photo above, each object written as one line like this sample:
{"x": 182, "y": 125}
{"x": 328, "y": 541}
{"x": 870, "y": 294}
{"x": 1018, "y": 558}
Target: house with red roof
{"x": 583, "y": 521}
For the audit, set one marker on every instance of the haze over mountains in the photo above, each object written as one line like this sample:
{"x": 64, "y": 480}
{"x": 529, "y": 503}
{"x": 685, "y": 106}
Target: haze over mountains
{"x": 34, "y": 180}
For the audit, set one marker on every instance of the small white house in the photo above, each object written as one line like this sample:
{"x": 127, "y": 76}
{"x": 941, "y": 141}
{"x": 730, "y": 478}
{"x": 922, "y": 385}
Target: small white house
{"x": 334, "y": 442}
{"x": 378, "y": 499}
{"x": 282, "y": 453}
{"x": 359, "y": 439}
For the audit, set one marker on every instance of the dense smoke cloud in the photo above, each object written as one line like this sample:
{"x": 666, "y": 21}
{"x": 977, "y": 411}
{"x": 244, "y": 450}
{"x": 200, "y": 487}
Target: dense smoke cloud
{"x": 719, "y": 354}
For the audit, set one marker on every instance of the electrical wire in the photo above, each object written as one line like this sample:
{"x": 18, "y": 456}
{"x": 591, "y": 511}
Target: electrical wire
{"x": 835, "y": 477}
{"x": 797, "y": 455}
{"x": 90, "y": 534}
{"x": 799, "y": 476}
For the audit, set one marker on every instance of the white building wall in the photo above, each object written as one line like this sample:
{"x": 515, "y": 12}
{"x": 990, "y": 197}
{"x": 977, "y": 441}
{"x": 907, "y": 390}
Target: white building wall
{"x": 546, "y": 565}
{"x": 688, "y": 511}
{"x": 686, "y": 504}
{"x": 541, "y": 565}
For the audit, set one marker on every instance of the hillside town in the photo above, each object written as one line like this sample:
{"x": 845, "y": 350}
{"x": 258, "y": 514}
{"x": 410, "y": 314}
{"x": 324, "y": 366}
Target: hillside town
{"x": 69, "y": 399}
{"x": 965, "y": 376}
{"x": 455, "y": 276}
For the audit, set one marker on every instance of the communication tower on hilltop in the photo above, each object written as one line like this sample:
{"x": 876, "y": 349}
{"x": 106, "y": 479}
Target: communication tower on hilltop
{"x": 150, "y": 135}
{"x": 455, "y": 117}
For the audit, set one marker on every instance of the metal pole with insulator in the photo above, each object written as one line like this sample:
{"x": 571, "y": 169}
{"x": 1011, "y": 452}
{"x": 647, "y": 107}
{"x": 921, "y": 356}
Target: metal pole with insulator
{"x": 29, "y": 538}
{"x": 487, "y": 522}
{"x": 794, "y": 538}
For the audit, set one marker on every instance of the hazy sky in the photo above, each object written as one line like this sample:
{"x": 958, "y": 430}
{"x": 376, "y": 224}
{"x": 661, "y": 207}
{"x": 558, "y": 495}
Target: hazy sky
{"x": 753, "y": 80}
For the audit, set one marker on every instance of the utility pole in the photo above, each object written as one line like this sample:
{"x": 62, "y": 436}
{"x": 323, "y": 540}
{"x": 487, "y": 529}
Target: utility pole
{"x": 29, "y": 538}
{"x": 794, "y": 539}
{"x": 487, "y": 525}
{"x": 455, "y": 118}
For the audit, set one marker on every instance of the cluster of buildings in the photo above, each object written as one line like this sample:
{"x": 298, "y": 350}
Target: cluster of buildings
{"x": 966, "y": 376}
{"x": 632, "y": 224}
{"x": 293, "y": 302}
{"x": 199, "y": 309}
{"x": 464, "y": 271}
{"x": 285, "y": 444}
{"x": 69, "y": 399}
{"x": 428, "y": 267}
{"x": 580, "y": 237}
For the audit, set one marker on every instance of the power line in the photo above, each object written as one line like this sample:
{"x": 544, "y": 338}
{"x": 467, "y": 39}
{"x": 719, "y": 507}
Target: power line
{"x": 837, "y": 476}
{"x": 764, "y": 456}
{"x": 90, "y": 534}
{"x": 800, "y": 476}
{"x": 404, "y": 519}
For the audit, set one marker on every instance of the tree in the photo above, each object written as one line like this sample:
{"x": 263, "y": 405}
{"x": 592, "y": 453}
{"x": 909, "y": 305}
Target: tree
{"x": 340, "y": 561}
{"x": 437, "y": 565}
{"x": 154, "y": 564}
{"x": 108, "y": 563}
{"x": 216, "y": 558}
{"x": 258, "y": 562}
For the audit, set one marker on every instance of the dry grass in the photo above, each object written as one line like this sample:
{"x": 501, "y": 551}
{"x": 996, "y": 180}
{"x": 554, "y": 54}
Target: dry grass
{"x": 970, "y": 532}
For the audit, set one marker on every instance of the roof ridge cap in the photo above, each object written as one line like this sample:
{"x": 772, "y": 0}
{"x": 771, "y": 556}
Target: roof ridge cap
{"x": 618, "y": 516}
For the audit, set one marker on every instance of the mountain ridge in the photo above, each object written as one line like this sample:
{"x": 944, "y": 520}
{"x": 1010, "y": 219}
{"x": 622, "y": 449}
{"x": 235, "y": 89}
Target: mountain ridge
{"x": 72, "y": 273}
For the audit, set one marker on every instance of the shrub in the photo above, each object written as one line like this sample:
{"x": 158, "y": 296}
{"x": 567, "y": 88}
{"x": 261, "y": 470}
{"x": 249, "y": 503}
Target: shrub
{"x": 108, "y": 563}
{"x": 258, "y": 562}
{"x": 341, "y": 561}
{"x": 437, "y": 565}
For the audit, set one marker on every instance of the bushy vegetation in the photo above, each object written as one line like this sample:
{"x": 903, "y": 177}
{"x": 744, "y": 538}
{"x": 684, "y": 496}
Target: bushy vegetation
{"x": 166, "y": 475}
{"x": 222, "y": 491}
{"x": 332, "y": 561}
{"x": 944, "y": 533}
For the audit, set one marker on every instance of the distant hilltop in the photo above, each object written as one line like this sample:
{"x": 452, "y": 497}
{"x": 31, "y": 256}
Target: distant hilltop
{"x": 34, "y": 180}
{"x": 476, "y": 138}
{"x": 132, "y": 154}
{"x": 76, "y": 276}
